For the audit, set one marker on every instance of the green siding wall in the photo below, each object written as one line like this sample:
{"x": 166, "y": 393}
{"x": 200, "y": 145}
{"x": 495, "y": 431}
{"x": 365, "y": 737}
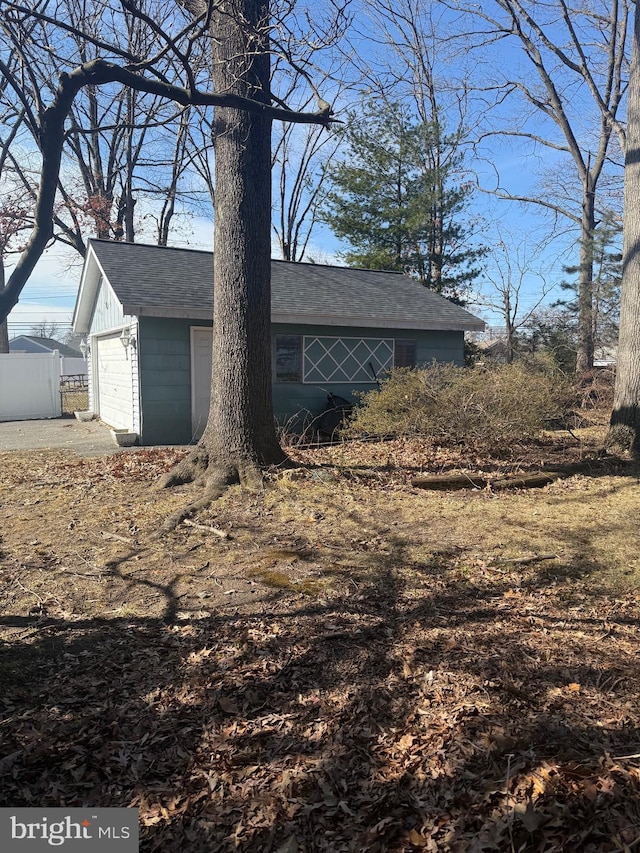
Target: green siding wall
{"x": 294, "y": 401}
{"x": 164, "y": 351}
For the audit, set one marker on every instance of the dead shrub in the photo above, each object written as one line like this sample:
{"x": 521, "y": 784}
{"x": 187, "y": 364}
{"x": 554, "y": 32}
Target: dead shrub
{"x": 596, "y": 388}
{"x": 493, "y": 407}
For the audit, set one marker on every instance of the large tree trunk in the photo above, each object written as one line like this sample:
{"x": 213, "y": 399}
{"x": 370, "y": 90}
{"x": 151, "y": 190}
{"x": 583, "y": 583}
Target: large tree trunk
{"x": 240, "y": 435}
{"x": 624, "y": 428}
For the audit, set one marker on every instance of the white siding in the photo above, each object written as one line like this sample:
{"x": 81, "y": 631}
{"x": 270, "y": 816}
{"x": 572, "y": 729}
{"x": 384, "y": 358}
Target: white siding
{"x": 91, "y": 362}
{"x": 134, "y": 355}
{"x": 107, "y": 310}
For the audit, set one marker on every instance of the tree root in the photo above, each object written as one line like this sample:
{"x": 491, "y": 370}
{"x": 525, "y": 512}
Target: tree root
{"x": 213, "y": 477}
{"x": 192, "y": 469}
{"x": 190, "y": 509}
{"x": 622, "y": 438}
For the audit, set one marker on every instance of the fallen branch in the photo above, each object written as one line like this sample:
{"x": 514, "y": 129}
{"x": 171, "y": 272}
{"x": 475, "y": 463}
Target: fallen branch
{"x": 523, "y": 561}
{"x": 528, "y": 481}
{"x": 449, "y": 481}
{"x": 470, "y": 481}
{"x": 223, "y": 534}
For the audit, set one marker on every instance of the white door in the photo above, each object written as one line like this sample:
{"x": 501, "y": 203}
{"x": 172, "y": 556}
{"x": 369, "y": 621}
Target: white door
{"x": 201, "y": 347}
{"x": 115, "y": 387}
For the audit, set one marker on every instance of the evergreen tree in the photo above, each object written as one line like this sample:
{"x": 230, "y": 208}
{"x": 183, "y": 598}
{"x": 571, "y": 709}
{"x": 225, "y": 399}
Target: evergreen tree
{"x": 395, "y": 199}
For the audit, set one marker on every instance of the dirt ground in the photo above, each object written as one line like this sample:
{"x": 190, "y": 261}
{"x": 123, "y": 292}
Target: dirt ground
{"x": 341, "y": 662}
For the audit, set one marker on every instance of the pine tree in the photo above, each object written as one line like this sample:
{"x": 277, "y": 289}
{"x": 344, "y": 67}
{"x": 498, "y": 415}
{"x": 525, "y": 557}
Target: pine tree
{"x": 395, "y": 199}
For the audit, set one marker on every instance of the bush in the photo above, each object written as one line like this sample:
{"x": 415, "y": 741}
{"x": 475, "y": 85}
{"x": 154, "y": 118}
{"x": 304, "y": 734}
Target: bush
{"x": 494, "y": 407}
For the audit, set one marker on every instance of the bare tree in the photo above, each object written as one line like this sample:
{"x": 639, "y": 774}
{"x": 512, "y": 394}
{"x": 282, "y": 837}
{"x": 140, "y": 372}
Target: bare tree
{"x": 15, "y": 218}
{"x": 15, "y": 215}
{"x": 240, "y": 434}
{"x": 15, "y": 221}
{"x": 300, "y": 160}
{"x": 45, "y": 329}
{"x": 569, "y": 97}
{"x": 180, "y": 163}
{"x": 301, "y": 154}
{"x": 121, "y": 145}
{"x": 415, "y": 61}
{"x": 503, "y": 288}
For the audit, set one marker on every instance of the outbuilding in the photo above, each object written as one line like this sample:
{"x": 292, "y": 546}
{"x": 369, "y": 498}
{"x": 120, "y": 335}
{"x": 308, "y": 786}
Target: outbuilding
{"x": 147, "y": 313}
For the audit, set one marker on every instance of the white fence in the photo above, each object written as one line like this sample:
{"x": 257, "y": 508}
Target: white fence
{"x": 29, "y": 386}
{"x": 72, "y": 366}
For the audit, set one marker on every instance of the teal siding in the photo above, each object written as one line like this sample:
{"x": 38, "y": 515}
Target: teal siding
{"x": 296, "y": 402}
{"x": 446, "y": 347}
{"x": 164, "y": 351}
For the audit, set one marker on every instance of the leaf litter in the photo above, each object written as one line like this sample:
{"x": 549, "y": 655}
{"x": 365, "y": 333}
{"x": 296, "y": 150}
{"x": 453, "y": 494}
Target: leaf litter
{"x": 354, "y": 666}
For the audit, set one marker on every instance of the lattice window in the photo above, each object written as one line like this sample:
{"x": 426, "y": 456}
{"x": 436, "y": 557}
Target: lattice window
{"x": 346, "y": 359}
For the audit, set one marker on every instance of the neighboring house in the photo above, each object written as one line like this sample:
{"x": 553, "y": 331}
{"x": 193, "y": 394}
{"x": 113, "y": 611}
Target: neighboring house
{"x": 147, "y": 314}
{"x": 73, "y": 365}
{"x": 495, "y": 351}
{"x": 31, "y": 343}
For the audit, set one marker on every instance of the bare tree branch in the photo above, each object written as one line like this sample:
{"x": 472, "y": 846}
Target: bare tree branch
{"x": 51, "y": 137}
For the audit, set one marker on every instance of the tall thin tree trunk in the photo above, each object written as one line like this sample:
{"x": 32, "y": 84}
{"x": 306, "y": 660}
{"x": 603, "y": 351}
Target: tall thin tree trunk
{"x": 584, "y": 361}
{"x": 624, "y": 428}
{"x": 129, "y": 226}
{"x": 510, "y": 329}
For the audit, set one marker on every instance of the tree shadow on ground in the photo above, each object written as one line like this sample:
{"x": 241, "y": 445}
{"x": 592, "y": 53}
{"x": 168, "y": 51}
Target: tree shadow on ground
{"x": 433, "y": 708}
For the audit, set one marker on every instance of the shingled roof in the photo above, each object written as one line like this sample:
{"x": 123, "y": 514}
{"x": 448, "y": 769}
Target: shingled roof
{"x": 35, "y": 343}
{"x": 170, "y": 282}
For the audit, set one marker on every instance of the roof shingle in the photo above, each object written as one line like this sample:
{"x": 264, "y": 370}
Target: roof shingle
{"x": 163, "y": 281}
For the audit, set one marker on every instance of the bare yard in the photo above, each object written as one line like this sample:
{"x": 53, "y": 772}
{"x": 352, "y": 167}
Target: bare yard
{"x": 342, "y": 662}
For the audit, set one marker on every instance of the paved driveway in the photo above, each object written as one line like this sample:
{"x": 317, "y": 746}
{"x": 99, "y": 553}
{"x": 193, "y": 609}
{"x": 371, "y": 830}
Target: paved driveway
{"x": 67, "y": 433}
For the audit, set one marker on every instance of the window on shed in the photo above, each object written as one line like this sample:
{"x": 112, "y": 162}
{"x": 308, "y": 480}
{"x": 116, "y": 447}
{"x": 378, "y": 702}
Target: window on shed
{"x": 405, "y": 354}
{"x": 288, "y": 360}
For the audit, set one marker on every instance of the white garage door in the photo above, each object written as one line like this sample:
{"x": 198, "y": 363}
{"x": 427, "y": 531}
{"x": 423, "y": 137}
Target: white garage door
{"x": 201, "y": 344}
{"x": 114, "y": 383}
